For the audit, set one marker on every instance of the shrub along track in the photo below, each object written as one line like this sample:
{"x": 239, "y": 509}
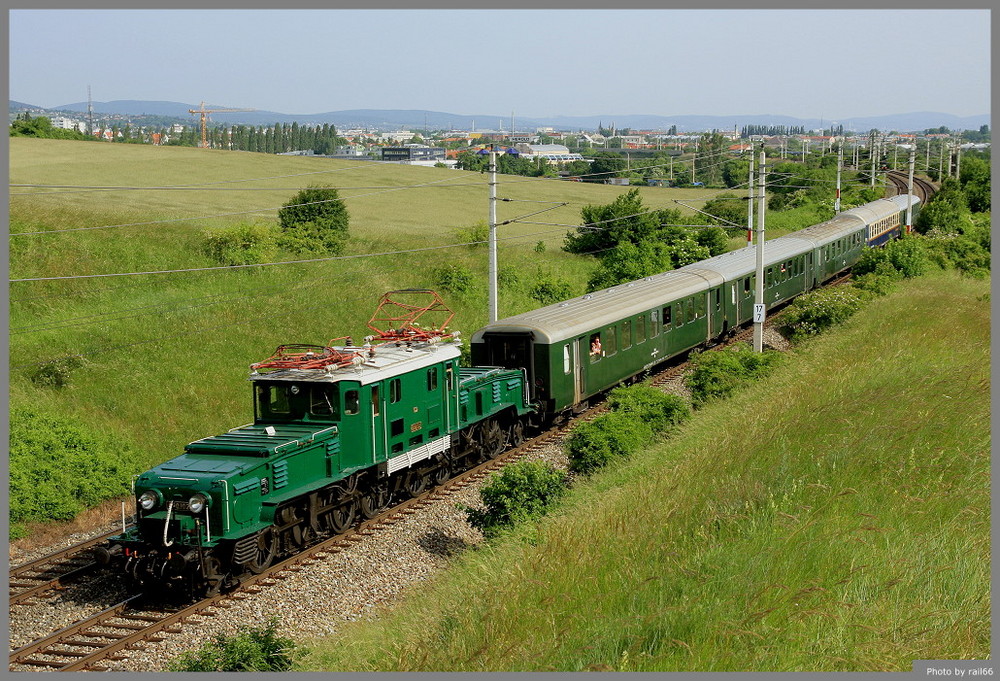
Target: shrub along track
{"x": 108, "y": 634}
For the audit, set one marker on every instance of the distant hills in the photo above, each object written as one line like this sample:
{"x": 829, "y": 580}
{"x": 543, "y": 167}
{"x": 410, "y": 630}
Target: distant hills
{"x": 416, "y": 118}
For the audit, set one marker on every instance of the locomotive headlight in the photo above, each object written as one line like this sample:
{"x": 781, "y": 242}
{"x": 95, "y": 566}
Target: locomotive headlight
{"x": 148, "y": 500}
{"x": 197, "y": 503}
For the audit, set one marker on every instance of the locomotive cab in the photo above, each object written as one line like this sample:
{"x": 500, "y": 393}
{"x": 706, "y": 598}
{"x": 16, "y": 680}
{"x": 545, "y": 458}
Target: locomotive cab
{"x": 305, "y": 401}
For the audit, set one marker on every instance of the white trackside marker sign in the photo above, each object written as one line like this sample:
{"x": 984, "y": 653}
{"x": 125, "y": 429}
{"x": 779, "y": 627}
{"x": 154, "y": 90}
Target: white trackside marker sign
{"x": 758, "y": 314}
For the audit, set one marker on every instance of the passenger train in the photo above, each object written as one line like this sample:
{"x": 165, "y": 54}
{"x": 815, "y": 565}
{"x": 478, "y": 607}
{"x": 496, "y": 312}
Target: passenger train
{"x": 338, "y": 431}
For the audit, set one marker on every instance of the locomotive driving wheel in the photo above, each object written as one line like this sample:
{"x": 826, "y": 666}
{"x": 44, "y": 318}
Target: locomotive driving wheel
{"x": 515, "y": 434}
{"x": 492, "y": 439}
{"x": 416, "y": 482}
{"x": 340, "y": 518}
{"x": 266, "y": 549}
{"x": 443, "y": 470}
{"x": 374, "y": 501}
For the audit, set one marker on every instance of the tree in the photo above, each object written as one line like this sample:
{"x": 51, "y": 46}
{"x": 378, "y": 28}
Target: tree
{"x": 607, "y": 164}
{"x": 315, "y": 220}
{"x": 947, "y": 211}
{"x": 709, "y": 160}
{"x": 976, "y": 183}
{"x": 624, "y": 219}
{"x": 727, "y": 210}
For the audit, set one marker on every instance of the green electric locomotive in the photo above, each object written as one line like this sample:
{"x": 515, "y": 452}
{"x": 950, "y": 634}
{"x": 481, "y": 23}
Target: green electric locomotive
{"x": 337, "y": 432}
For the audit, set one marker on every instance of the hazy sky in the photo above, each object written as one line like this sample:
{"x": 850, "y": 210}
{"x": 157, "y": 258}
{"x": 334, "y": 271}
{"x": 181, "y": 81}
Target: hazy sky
{"x": 807, "y": 63}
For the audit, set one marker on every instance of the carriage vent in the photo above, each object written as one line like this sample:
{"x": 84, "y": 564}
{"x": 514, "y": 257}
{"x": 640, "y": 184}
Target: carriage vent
{"x": 245, "y": 486}
{"x": 496, "y": 392}
{"x": 513, "y": 384}
{"x": 280, "y": 474}
{"x": 463, "y": 397}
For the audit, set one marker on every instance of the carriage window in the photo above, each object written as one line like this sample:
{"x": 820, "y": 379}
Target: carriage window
{"x": 567, "y": 364}
{"x": 667, "y": 317}
{"x": 626, "y": 335}
{"x": 376, "y": 403}
{"x": 396, "y": 428}
{"x": 432, "y": 378}
{"x": 690, "y": 310}
{"x": 395, "y": 391}
{"x": 700, "y": 312}
{"x": 610, "y": 341}
{"x": 596, "y": 351}
{"x": 746, "y": 286}
{"x": 679, "y": 315}
{"x": 351, "y": 402}
{"x": 654, "y": 324}
{"x": 450, "y": 378}
{"x": 640, "y": 329}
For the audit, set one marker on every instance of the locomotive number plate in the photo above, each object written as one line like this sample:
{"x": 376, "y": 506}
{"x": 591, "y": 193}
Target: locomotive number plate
{"x": 416, "y": 426}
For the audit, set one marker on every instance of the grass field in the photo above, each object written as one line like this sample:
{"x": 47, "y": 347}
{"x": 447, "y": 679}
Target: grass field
{"x": 823, "y": 520}
{"x": 166, "y": 355}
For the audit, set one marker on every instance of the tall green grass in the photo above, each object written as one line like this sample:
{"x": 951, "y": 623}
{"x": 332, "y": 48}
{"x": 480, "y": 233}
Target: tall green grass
{"x": 834, "y": 517}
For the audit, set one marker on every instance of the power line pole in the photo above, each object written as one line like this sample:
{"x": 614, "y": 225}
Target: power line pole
{"x": 874, "y": 155}
{"x": 840, "y": 165}
{"x": 493, "y": 234}
{"x": 750, "y": 201}
{"x": 90, "y": 114}
{"x": 759, "y": 309}
{"x": 909, "y": 192}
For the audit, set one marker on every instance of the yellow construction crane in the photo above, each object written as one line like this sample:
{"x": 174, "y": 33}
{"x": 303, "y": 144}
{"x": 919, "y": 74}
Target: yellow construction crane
{"x": 204, "y": 118}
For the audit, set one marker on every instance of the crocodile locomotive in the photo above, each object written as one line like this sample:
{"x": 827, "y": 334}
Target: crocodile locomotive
{"x": 340, "y": 430}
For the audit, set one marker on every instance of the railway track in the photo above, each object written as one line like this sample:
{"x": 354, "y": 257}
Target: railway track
{"x": 108, "y": 634}
{"x": 40, "y": 577}
{"x": 922, "y": 188}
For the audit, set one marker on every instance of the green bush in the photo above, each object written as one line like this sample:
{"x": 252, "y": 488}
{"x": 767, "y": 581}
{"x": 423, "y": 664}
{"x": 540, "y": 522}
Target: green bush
{"x": 661, "y": 411}
{"x": 508, "y": 277}
{"x": 59, "y": 467}
{"x": 908, "y": 256}
{"x": 521, "y": 491}
{"x": 817, "y": 311}
{"x": 251, "y": 649}
{"x": 314, "y": 221}
{"x": 614, "y": 435}
{"x": 549, "y": 289}
{"x": 244, "y": 244}
{"x": 475, "y": 235}
{"x": 454, "y": 278}
{"x": 718, "y": 374}
{"x": 880, "y": 281}
{"x": 968, "y": 252}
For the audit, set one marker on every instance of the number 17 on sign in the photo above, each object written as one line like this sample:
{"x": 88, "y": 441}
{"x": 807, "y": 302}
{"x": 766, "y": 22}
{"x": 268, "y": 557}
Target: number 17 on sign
{"x": 758, "y": 313}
